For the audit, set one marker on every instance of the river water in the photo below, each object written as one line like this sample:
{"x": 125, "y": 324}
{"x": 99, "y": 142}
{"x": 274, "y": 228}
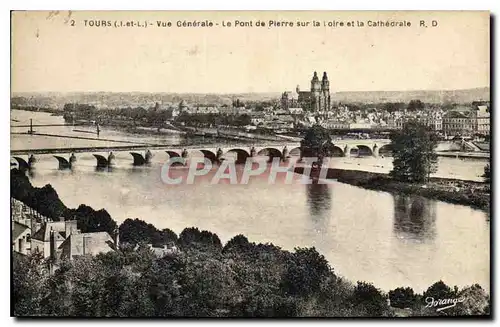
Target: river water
{"x": 390, "y": 240}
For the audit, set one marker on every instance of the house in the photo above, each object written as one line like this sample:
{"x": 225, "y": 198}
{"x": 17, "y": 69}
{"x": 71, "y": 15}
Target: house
{"x": 171, "y": 248}
{"x": 295, "y": 111}
{"x": 335, "y": 124}
{"x": 62, "y": 240}
{"x": 482, "y": 120}
{"x": 85, "y": 243}
{"x": 51, "y": 235}
{"x": 360, "y": 125}
{"x": 458, "y": 122}
{"x": 21, "y": 237}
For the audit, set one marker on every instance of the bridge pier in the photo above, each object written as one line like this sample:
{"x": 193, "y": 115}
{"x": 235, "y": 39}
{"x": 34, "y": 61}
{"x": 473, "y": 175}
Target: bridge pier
{"x": 66, "y": 164}
{"x": 140, "y": 160}
{"x": 24, "y": 165}
{"x": 103, "y": 162}
{"x": 347, "y": 151}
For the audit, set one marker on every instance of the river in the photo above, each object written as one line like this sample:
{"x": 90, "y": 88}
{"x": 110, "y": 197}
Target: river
{"x": 390, "y": 240}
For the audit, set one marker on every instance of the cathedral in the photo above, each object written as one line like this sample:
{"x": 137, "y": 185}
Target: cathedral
{"x": 318, "y": 99}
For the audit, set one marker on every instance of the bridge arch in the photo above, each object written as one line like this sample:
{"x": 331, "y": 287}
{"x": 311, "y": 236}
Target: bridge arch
{"x": 139, "y": 160}
{"x": 22, "y": 164}
{"x": 295, "y": 151}
{"x": 336, "y": 151}
{"x": 241, "y": 155}
{"x": 103, "y": 162}
{"x": 364, "y": 150}
{"x": 209, "y": 155}
{"x": 63, "y": 162}
{"x": 271, "y": 152}
{"x": 172, "y": 154}
{"x": 385, "y": 150}
{"x": 352, "y": 151}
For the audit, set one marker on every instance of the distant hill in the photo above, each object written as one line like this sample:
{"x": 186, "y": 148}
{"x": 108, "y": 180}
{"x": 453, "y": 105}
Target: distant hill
{"x": 134, "y": 99}
{"x": 452, "y": 96}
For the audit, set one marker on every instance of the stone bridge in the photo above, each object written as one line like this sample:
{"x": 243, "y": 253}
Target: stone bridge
{"x": 341, "y": 148}
{"x": 239, "y": 152}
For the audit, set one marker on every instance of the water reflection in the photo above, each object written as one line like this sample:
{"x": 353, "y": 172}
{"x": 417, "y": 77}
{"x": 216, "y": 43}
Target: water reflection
{"x": 319, "y": 202}
{"x": 414, "y": 217}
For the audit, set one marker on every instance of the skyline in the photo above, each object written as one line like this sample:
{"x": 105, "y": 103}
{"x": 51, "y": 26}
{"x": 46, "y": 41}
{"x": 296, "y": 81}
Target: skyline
{"x": 20, "y": 93}
{"x": 50, "y": 56}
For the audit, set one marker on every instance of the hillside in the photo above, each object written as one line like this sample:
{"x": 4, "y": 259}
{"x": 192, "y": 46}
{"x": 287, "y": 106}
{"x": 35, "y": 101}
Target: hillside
{"x": 134, "y": 99}
{"x": 449, "y": 96}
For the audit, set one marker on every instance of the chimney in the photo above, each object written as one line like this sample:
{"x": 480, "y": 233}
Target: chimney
{"x": 21, "y": 245}
{"x": 70, "y": 227}
{"x": 116, "y": 237}
{"x": 53, "y": 245}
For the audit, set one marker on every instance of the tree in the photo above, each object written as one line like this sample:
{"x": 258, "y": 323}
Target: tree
{"x": 402, "y": 297}
{"x": 487, "y": 174}
{"x": 135, "y": 231}
{"x": 239, "y": 243}
{"x": 28, "y": 284}
{"x": 369, "y": 299}
{"x": 439, "y": 290}
{"x": 416, "y": 105}
{"x": 316, "y": 143}
{"x": 242, "y": 120}
{"x": 306, "y": 269}
{"x": 414, "y": 153}
{"x": 392, "y": 106}
{"x": 89, "y": 220}
{"x": 193, "y": 237}
{"x": 47, "y": 202}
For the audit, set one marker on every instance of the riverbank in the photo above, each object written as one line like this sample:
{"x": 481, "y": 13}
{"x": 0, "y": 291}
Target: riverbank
{"x": 469, "y": 193}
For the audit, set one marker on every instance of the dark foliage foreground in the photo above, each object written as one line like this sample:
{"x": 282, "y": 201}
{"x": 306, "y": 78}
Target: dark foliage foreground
{"x": 204, "y": 279}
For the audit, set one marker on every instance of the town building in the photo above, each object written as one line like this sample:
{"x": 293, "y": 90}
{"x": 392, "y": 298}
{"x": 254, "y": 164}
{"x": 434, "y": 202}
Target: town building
{"x": 482, "y": 120}
{"x": 466, "y": 121}
{"x": 335, "y": 124}
{"x": 51, "y": 235}
{"x": 432, "y": 120}
{"x": 80, "y": 244}
{"x": 34, "y": 233}
{"x": 317, "y": 99}
{"x": 21, "y": 237}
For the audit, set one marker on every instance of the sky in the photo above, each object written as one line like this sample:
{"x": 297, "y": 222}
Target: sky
{"x": 49, "y": 54}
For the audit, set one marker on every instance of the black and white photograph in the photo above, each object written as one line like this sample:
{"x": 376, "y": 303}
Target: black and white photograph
{"x": 250, "y": 164}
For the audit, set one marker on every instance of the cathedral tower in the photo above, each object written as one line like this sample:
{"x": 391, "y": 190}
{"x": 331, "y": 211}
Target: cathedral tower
{"x": 316, "y": 92}
{"x": 325, "y": 93}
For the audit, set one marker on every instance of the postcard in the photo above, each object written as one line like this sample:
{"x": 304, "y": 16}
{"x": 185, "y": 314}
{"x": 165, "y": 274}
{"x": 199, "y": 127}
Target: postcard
{"x": 221, "y": 164}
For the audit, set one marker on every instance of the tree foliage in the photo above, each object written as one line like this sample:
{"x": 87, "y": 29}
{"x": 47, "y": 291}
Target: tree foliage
{"x": 415, "y": 105}
{"x": 90, "y": 220}
{"x": 45, "y": 200}
{"x": 316, "y": 143}
{"x": 244, "y": 280}
{"x": 402, "y": 297}
{"x": 414, "y": 154}
{"x": 135, "y": 231}
{"x": 439, "y": 290}
{"x": 194, "y": 237}
{"x": 370, "y": 299}
{"x": 212, "y": 119}
{"x": 487, "y": 174}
